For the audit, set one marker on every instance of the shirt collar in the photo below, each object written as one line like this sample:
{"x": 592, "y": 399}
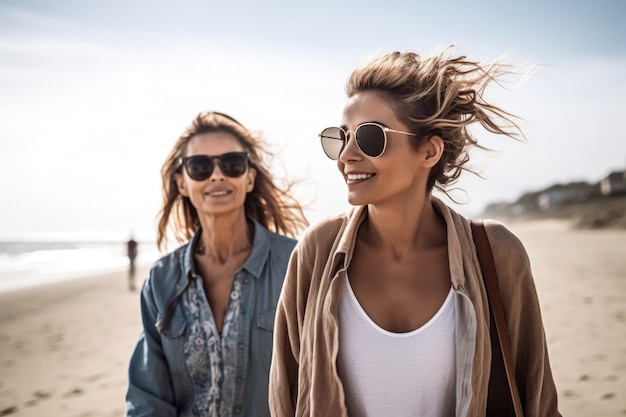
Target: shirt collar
{"x": 454, "y": 222}
{"x": 260, "y": 250}
{"x": 347, "y": 240}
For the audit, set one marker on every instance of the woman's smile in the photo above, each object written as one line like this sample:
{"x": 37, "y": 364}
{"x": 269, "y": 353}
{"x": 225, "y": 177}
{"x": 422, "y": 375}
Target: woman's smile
{"x": 356, "y": 178}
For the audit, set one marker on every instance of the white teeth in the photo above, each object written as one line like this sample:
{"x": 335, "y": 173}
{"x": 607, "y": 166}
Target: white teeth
{"x": 219, "y": 193}
{"x": 355, "y": 177}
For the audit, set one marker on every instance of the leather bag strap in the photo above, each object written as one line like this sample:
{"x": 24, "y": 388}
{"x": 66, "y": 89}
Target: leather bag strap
{"x": 488, "y": 267}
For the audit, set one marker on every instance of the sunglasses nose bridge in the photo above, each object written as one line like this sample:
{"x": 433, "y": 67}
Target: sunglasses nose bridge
{"x": 349, "y": 146}
{"x": 216, "y": 170}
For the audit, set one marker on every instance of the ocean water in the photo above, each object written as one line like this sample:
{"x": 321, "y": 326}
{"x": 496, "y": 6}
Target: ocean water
{"x": 28, "y": 263}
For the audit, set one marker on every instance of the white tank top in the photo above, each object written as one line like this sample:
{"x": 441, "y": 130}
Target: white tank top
{"x": 397, "y": 374}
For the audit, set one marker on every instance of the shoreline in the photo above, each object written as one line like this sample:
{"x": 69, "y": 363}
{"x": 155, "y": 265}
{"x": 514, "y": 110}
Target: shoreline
{"x": 30, "y": 279}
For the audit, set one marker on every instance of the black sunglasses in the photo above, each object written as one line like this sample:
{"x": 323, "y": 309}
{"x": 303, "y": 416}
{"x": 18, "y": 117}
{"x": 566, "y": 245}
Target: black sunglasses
{"x": 371, "y": 138}
{"x": 200, "y": 167}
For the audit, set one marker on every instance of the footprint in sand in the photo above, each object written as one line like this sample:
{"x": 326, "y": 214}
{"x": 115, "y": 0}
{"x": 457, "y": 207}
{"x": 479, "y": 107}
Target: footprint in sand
{"x": 572, "y": 394}
{"x": 39, "y": 395}
{"x": 94, "y": 378}
{"x": 74, "y": 393}
{"x": 8, "y": 411}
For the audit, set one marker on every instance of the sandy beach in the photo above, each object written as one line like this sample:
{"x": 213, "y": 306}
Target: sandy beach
{"x": 64, "y": 347}
{"x": 581, "y": 282}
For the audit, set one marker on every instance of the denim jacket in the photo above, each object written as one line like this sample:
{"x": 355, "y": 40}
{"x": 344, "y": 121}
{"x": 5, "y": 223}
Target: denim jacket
{"x": 164, "y": 378}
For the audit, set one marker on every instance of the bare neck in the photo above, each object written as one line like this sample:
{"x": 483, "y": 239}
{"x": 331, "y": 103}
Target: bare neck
{"x": 225, "y": 236}
{"x": 401, "y": 229}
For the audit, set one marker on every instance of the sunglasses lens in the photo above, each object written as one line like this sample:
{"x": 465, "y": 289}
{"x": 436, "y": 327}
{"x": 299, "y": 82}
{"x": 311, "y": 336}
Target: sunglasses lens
{"x": 199, "y": 168}
{"x": 333, "y": 139}
{"x": 371, "y": 140}
{"x": 233, "y": 164}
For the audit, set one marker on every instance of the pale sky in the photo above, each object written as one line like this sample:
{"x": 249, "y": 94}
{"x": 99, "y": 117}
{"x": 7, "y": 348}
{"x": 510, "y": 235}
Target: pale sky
{"x": 93, "y": 95}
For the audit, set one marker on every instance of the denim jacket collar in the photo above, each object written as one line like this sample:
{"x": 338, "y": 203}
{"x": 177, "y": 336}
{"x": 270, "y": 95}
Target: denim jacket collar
{"x": 254, "y": 263}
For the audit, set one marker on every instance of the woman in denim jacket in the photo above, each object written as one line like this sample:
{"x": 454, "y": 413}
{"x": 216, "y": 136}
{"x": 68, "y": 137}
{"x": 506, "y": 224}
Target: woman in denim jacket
{"x": 208, "y": 307}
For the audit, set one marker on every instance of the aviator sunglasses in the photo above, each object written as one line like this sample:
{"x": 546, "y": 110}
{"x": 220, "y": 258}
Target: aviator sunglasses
{"x": 371, "y": 138}
{"x": 200, "y": 167}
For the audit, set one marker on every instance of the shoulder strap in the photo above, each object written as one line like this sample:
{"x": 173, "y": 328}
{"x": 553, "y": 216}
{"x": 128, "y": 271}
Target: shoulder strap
{"x": 485, "y": 256}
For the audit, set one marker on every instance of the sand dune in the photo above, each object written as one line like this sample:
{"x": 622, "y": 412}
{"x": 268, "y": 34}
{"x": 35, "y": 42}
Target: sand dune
{"x": 64, "y": 347}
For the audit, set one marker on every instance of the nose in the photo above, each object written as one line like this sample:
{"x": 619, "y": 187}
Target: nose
{"x": 217, "y": 174}
{"x": 350, "y": 149}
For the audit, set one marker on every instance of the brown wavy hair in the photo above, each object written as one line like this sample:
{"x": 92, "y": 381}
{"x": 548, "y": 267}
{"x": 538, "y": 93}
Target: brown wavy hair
{"x": 271, "y": 205}
{"x": 440, "y": 95}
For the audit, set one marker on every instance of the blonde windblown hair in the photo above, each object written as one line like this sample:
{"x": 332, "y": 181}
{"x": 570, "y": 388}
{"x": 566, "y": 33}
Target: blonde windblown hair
{"x": 440, "y": 95}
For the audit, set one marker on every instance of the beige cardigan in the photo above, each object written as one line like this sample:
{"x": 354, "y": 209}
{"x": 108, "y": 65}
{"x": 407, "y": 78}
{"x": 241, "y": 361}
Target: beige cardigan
{"x": 303, "y": 377}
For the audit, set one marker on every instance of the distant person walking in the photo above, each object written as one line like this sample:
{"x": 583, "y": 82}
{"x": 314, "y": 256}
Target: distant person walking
{"x": 131, "y": 248}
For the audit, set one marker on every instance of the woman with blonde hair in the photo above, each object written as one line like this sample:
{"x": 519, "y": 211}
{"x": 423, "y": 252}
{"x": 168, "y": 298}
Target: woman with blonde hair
{"x": 208, "y": 307}
{"x": 384, "y": 310}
